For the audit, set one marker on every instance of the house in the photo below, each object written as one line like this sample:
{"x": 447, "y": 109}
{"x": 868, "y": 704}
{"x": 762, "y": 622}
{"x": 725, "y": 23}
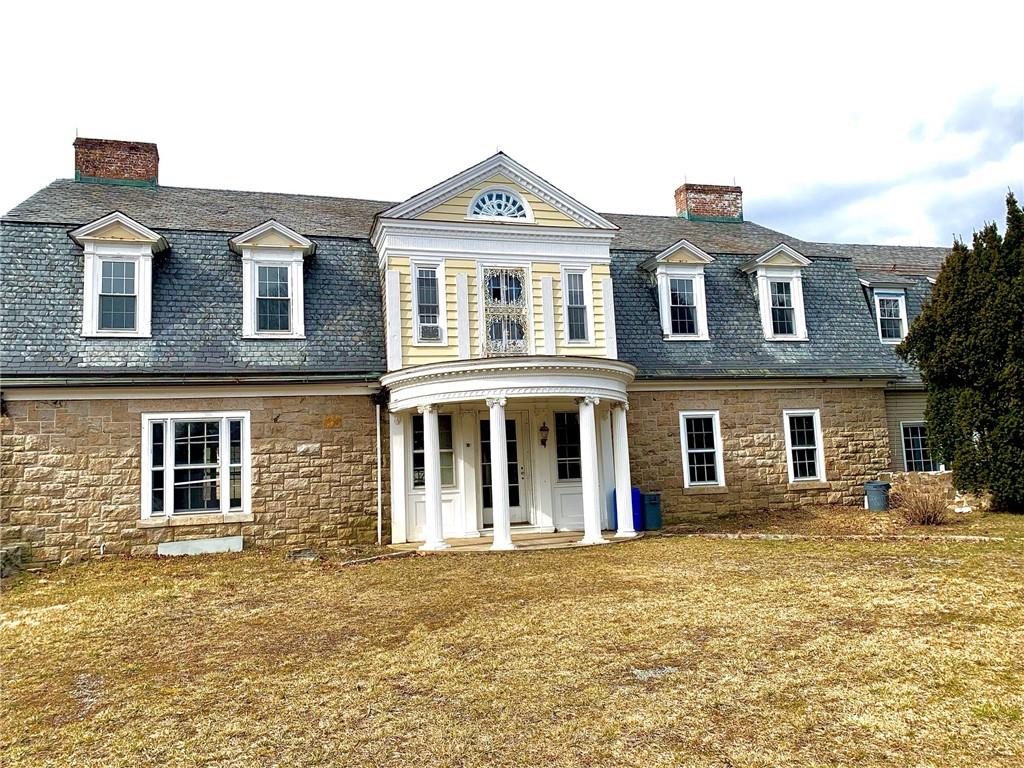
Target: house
{"x": 490, "y": 355}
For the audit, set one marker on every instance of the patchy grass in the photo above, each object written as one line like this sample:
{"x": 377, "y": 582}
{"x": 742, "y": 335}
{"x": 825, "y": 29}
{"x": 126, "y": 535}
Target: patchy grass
{"x": 839, "y": 521}
{"x": 662, "y": 652}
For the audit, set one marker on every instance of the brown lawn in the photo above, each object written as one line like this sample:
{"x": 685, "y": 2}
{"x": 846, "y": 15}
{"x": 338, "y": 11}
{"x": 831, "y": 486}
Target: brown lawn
{"x": 664, "y": 652}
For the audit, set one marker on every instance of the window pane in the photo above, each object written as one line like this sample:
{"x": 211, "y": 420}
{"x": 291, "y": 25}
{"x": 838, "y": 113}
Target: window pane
{"x": 273, "y": 314}
{"x": 196, "y": 490}
{"x": 700, "y": 450}
{"x": 427, "y": 303}
{"x": 446, "y": 440}
{"x": 117, "y": 278}
{"x": 889, "y": 318}
{"x": 157, "y": 492}
{"x": 196, "y": 443}
{"x": 915, "y": 449}
{"x": 804, "y": 448}
{"x": 236, "y": 487}
{"x": 577, "y": 323}
{"x": 235, "y": 435}
{"x": 567, "y": 446}
{"x": 117, "y": 313}
{"x": 273, "y": 282}
{"x": 157, "y": 444}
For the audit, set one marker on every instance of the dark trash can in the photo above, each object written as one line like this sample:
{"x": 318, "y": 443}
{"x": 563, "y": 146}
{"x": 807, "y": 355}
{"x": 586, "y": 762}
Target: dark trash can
{"x": 637, "y": 506}
{"x": 652, "y": 511}
{"x": 877, "y": 494}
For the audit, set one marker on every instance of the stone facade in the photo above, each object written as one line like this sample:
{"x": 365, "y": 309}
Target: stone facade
{"x": 71, "y": 475}
{"x": 856, "y": 446}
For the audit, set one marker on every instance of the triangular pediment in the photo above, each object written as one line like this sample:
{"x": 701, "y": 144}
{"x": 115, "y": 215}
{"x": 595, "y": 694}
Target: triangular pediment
{"x": 779, "y": 256}
{"x": 680, "y": 252}
{"x": 117, "y": 227}
{"x": 271, "y": 234}
{"x": 543, "y": 204}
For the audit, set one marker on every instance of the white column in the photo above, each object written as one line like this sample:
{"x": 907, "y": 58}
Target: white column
{"x": 433, "y": 531}
{"x": 623, "y": 483}
{"x": 499, "y": 476}
{"x": 591, "y": 483}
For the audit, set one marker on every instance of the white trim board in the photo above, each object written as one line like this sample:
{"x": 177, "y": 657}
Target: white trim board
{"x": 188, "y": 392}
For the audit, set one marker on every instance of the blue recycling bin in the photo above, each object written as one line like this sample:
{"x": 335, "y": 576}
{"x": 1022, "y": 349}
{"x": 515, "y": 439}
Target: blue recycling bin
{"x": 877, "y": 494}
{"x": 638, "y": 518}
{"x": 652, "y": 511}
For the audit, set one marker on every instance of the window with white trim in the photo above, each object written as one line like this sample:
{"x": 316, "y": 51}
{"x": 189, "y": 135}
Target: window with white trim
{"x": 781, "y": 296}
{"x": 272, "y": 300}
{"x": 506, "y": 310}
{"x": 427, "y": 296}
{"x": 805, "y": 454}
{"x": 195, "y": 463}
{"x": 117, "y": 290}
{"x": 891, "y": 316}
{"x": 683, "y": 306}
{"x": 568, "y": 450}
{"x": 702, "y": 448}
{"x": 917, "y": 456}
{"x": 446, "y": 440}
{"x": 500, "y": 203}
{"x": 576, "y": 311}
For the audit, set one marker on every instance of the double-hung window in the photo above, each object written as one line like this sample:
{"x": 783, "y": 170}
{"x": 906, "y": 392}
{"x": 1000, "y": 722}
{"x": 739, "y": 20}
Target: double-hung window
{"x": 783, "y": 312}
{"x": 446, "y": 440}
{"x": 805, "y": 455}
{"x": 682, "y": 302}
{"x": 428, "y": 304}
{"x": 702, "y": 449}
{"x": 891, "y": 314}
{"x": 576, "y": 320}
{"x": 118, "y": 296}
{"x": 916, "y": 455}
{"x": 780, "y": 293}
{"x": 195, "y": 463}
{"x": 568, "y": 455}
{"x": 682, "y": 306}
{"x": 273, "y": 299}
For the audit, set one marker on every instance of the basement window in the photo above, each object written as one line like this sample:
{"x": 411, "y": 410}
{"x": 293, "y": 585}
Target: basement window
{"x": 195, "y": 463}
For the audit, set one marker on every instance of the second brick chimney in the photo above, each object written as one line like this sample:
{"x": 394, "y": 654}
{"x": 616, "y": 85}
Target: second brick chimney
{"x": 116, "y": 162}
{"x": 709, "y": 202}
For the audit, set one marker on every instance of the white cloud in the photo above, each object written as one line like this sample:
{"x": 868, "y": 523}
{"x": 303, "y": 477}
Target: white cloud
{"x": 616, "y": 104}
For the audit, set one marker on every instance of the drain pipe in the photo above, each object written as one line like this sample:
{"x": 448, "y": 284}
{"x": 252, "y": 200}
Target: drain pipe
{"x": 380, "y": 507}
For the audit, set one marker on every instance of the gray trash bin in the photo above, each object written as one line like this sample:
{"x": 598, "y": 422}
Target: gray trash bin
{"x": 877, "y": 494}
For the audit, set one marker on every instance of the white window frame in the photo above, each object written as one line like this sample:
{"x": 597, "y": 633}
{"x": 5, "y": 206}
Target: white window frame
{"x": 767, "y": 275}
{"x": 901, "y": 297}
{"x": 719, "y": 453}
{"x": 939, "y": 467}
{"x": 224, "y": 451}
{"x": 413, "y": 488}
{"x": 481, "y": 306}
{"x": 664, "y": 275}
{"x": 141, "y": 255}
{"x": 527, "y": 208}
{"x": 819, "y": 444}
{"x": 588, "y": 299}
{"x": 291, "y": 258}
{"x": 436, "y": 264}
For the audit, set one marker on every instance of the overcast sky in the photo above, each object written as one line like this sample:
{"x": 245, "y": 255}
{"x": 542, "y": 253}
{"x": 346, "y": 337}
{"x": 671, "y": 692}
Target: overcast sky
{"x": 887, "y": 123}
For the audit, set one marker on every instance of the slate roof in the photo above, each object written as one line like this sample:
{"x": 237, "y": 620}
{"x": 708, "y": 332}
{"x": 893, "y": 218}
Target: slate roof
{"x": 197, "y": 291}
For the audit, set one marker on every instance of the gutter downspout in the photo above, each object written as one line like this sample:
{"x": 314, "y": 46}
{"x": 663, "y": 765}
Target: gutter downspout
{"x": 380, "y": 507}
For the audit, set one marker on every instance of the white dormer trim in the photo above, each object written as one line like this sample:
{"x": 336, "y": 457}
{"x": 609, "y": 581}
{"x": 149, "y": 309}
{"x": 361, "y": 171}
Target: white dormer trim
{"x": 900, "y": 295}
{"x": 790, "y": 257}
{"x": 290, "y": 256}
{"x": 248, "y": 238}
{"x": 680, "y": 245}
{"x": 664, "y": 274}
{"x": 99, "y": 250}
{"x": 504, "y": 165}
{"x": 789, "y": 272}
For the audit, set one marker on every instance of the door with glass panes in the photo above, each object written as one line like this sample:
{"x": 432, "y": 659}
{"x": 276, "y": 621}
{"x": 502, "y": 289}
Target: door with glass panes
{"x": 516, "y": 446}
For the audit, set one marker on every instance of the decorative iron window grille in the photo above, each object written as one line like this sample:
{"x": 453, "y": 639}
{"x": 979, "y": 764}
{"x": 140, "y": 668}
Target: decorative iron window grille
{"x": 505, "y": 311}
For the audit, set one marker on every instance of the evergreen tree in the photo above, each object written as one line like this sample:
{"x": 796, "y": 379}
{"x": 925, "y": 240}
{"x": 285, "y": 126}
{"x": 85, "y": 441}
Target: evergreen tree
{"x": 969, "y": 346}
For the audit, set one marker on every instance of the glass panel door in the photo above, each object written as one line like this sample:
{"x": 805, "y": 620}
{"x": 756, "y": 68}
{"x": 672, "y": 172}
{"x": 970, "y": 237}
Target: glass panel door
{"x": 517, "y": 509}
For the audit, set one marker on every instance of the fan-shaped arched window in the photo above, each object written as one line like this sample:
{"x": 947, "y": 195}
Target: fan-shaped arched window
{"x": 499, "y": 204}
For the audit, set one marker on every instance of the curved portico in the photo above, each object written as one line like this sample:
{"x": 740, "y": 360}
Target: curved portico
{"x": 490, "y": 410}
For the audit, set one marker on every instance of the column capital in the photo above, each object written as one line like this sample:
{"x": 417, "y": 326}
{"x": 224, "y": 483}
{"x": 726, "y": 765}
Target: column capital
{"x": 493, "y": 401}
{"x": 623, "y": 405}
{"x": 426, "y": 408}
{"x": 589, "y": 400}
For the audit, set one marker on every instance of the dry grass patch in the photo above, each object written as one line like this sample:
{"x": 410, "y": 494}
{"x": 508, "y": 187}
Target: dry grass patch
{"x": 663, "y": 652}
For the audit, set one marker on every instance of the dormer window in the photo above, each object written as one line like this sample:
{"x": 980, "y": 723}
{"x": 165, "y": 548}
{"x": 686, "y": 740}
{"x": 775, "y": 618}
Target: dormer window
{"x": 500, "y": 204}
{"x": 272, "y": 287}
{"x": 679, "y": 274}
{"x": 780, "y": 293}
{"x": 891, "y": 315}
{"x": 118, "y": 276}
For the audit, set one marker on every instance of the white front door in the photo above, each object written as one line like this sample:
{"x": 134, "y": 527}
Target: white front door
{"x": 517, "y": 446}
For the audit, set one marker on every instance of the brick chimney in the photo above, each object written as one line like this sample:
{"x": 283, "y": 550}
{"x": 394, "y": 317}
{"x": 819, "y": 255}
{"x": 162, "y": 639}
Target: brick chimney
{"x": 116, "y": 162}
{"x": 709, "y": 202}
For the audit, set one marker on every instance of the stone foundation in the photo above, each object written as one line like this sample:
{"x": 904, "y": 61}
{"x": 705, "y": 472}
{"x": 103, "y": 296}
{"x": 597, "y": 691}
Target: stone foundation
{"x": 71, "y": 475}
{"x": 853, "y": 427}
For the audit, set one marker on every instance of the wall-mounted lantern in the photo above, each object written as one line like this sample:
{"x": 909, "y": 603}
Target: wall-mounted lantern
{"x": 544, "y": 432}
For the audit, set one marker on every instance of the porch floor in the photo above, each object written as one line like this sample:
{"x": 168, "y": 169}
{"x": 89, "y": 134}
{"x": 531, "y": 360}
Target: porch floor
{"x": 523, "y": 541}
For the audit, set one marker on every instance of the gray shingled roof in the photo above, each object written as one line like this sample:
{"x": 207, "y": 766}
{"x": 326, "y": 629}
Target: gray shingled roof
{"x": 197, "y": 291}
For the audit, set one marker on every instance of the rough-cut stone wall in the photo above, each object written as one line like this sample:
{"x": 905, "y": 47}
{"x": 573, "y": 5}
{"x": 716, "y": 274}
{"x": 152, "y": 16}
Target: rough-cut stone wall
{"x": 853, "y": 427}
{"x": 70, "y": 475}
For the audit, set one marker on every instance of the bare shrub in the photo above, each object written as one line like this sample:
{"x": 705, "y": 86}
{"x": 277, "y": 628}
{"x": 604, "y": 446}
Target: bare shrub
{"x": 919, "y": 506}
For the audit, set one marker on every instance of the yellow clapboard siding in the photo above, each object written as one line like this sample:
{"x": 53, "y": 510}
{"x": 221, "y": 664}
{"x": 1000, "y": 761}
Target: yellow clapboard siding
{"x": 456, "y": 208}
